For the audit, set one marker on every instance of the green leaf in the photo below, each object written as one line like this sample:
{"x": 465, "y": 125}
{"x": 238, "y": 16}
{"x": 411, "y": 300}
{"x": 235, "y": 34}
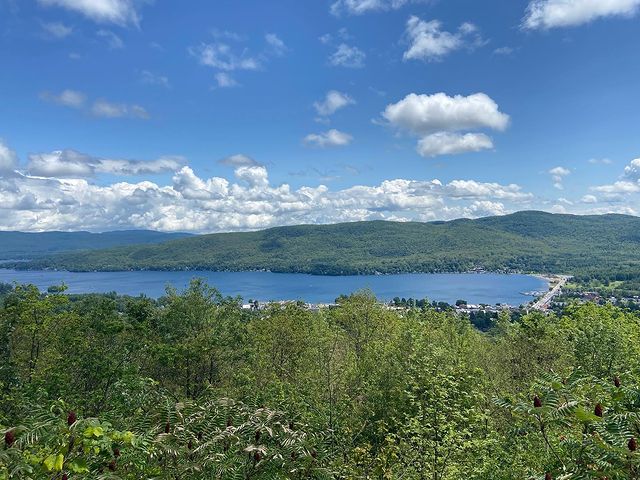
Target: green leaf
{"x": 79, "y": 466}
{"x": 54, "y": 462}
{"x": 49, "y": 462}
{"x": 59, "y": 462}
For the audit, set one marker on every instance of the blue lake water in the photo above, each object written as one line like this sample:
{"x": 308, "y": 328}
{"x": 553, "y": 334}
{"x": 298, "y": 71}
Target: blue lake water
{"x": 475, "y": 288}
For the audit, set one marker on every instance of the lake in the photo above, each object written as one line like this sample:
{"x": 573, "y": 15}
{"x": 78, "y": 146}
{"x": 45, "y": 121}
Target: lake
{"x": 486, "y": 288}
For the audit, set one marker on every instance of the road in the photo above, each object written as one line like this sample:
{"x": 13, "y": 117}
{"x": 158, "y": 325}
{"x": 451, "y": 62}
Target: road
{"x": 543, "y": 303}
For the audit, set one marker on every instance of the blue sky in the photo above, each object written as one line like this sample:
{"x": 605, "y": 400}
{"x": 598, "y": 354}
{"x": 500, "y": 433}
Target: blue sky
{"x": 234, "y": 115}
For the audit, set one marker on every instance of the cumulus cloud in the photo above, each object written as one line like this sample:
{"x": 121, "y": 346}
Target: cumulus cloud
{"x": 557, "y": 175}
{"x": 359, "y": 7}
{"x": 8, "y": 158}
{"x": 67, "y": 98}
{"x": 589, "y": 199}
{"x": 73, "y": 164}
{"x": 448, "y": 143}
{"x": 246, "y": 202}
{"x": 438, "y": 118}
{"x": 628, "y": 185}
{"x": 632, "y": 171}
{"x": 120, "y": 12}
{"x": 439, "y": 112}
{"x": 333, "y": 102}
{"x": 429, "y": 42}
{"x": 347, "y": 56}
{"x": 330, "y": 138}
{"x": 105, "y": 109}
{"x": 546, "y": 14}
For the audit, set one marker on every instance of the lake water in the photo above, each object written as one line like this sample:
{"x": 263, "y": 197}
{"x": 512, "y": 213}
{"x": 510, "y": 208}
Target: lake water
{"x": 475, "y": 288}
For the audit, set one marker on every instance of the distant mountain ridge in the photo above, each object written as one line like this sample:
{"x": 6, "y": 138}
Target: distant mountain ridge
{"x": 26, "y": 245}
{"x": 605, "y": 246}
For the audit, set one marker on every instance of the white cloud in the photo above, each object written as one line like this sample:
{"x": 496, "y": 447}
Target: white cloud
{"x": 113, "y": 41}
{"x": 231, "y": 56}
{"x": 469, "y": 189}
{"x": 73, "y": 164}
{"x": 121, "y": 12}
{"x": 448, "y": 143}
{"x": 428, "y": 42}
{"x": 276, "y": 45}
{"x": 546, "y": 14}
{"x": 105, "y": 109}
{"x": 436, "y": 119}
{"x": 255, "y": 176}
{"x": 423, "y": 114}
{"x": 224, "y": 80}
{"x": 100, "y": 108}
{"x": 68, "y": 98}
{"x": 222, "y": 57}
{"x": 333, "y": 102}
{"x": 191, "y": 203}
{"x": 623, "y": 189}
{"x": 56, "y": 30}
{"x": 589, "y": 199}
{"x": 330, "y": 138}
{"x": 359, "y": 7}
{"x": 632, "y": 171}
{"x": 239, "y": 160}
{"x": 8, "y": 158}
{"x": 486, "y": 208}
{"x": 559, "y": 172}
{"x": 347, "y": 56}
{"x": 618, "y": 188}
{"x": 600, "y": 161}
{"x": 342, "y": 34}
{"x": 557, "y": 175}
{"x": 150, "y": 78}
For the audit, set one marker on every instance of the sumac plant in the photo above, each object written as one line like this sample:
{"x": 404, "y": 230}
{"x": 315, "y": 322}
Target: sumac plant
{"x": 589, "y": 427}
{"x": 210, "y": 439}
{"x": 222, "y": 438}
{"x": 59, "y": 444}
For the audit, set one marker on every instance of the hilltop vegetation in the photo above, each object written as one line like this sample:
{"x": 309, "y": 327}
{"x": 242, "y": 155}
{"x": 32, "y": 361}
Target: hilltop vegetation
{"x": 22, "y": 245}
{"x": 605, "y": 248}
{"x": 194, "y": 387}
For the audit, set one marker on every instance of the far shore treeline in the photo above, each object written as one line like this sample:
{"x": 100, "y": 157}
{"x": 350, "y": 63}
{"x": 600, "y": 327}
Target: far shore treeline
{"x": 192, "y": 386}
{"x": 599, "y": 251}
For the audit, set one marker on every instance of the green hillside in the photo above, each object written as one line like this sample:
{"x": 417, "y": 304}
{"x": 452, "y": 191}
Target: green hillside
{"x": 605, "y": 247}
{"x": 24, "y": 245}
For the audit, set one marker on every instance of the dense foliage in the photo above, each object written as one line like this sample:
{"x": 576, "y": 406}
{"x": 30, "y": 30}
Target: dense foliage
{"x": 22, "y": 245}
{"x": 596, "y": 249}
{"x": 193, "y": 386}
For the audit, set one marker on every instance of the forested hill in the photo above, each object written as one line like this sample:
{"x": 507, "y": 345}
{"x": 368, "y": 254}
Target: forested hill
{"x": 22, "y": 245}
{"x": 525, "y": 241}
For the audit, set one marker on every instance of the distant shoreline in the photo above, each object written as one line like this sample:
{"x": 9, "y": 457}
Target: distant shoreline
{"x": 548, "y": 277}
